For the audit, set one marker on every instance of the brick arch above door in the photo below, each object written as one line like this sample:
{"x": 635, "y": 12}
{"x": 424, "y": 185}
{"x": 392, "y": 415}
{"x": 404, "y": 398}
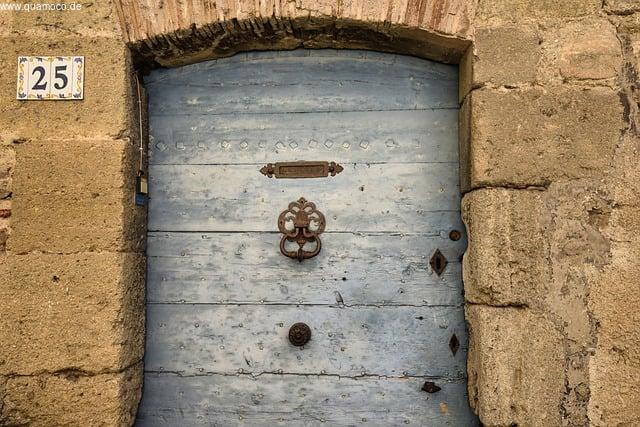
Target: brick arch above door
{"x": 176, "y": 33}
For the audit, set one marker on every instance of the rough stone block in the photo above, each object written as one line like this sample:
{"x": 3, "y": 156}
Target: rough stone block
{"x": 81, "y": 311}
{"x": 533, "y": 136}
{"x": 5, "y": 223}
{"x": 506, "y": 55}
{"x": 106, "y": 110}
{"x": 588, "y": 50}
{"x": 516, "y": 367}
{"x": 506, "y": 262}
{"x": 90, "y": 19}
{"x": 522, "y": 10}
{"x": 614, "y": 369}
{"x": 629, "y": 33}
{"x": 4, "y": 235}
{"x": 509, "y": 54}
{"x": 71, "y": 399}
{"x": 614, "y": 299}
{"x": 614, "y": 392}
{"x": 74, "y": 196}
{"x": 7, "y": 163}
{"x": 622, "y": 7}
{"x": 624, "y": 183}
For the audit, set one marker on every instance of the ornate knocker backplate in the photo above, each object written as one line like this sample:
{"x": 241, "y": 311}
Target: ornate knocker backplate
{"x": 301, "y": 223}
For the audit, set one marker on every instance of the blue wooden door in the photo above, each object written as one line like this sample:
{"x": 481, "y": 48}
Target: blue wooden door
{"x": 388, "y": 344}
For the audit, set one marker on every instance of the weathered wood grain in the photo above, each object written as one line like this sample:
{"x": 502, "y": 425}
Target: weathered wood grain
{"x": 219, "y": 267}
{"x": 390, "y": 341}
{"x": 359, "y": 62}
{"x": 380, "y": 197}
{"x": 352, "y": 137}
{"x": 217, "y": 400}
{"x": 291, "y": 83}
{"x": 303, "y": 67}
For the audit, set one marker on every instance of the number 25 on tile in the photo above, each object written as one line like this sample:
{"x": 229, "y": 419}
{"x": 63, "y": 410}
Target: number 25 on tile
{"x": 50, "y": 78}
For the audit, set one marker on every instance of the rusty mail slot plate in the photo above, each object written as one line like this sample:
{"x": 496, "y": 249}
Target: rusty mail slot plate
{"x": 301, "y": 169}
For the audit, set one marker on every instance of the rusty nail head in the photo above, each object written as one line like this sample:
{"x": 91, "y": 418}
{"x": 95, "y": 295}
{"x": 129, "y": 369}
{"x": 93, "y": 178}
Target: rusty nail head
{"x": 430, "y": 387}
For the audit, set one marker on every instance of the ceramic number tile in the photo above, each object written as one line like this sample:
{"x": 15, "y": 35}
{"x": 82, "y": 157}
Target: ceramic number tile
{"x": 33, "y": 77}
{"x": 50, "y": 77}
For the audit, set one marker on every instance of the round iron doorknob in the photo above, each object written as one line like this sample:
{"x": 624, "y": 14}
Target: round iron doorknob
{"x": 299, "y": 334}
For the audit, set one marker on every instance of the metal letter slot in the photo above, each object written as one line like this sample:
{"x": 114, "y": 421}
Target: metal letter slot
{"x": 301, "y": 169}
{"x": 301, "y": 223}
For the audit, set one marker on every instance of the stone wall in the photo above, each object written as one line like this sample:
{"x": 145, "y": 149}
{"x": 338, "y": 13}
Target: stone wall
{"x": 71, "y": 261}
{"x": 550, "y": 133}
{"x": 551, "y": 274}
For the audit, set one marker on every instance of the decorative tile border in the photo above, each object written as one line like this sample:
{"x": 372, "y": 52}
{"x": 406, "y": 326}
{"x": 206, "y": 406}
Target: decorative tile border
{"x": 50, "y": 78}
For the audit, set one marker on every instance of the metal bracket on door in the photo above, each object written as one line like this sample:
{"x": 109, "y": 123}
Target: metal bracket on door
{"x": 301, "y": 223}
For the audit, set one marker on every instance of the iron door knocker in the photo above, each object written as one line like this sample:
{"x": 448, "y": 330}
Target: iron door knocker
{"x": 301, "y": 223}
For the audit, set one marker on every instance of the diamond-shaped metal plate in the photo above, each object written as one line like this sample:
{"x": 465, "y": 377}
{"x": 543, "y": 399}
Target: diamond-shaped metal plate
{"x": 454, "y": 344}
{"x": 438, "y": 262}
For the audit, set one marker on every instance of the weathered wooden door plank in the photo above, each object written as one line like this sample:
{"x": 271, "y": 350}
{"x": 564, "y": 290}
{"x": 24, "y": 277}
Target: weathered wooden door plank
{"x": 437, "y": 70}
{"x": 193, "y": 279}
{"x": 217, "y": 268}
{"x": 284, "y": 68}
{"x": 217, "y": 400}
{"x": 277, "y": 85}
{"x": 381, "y": 197}
{"x": 387, "y": 341}
{"x": 357, "y": 137}
{"x": 236, "y": 101}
